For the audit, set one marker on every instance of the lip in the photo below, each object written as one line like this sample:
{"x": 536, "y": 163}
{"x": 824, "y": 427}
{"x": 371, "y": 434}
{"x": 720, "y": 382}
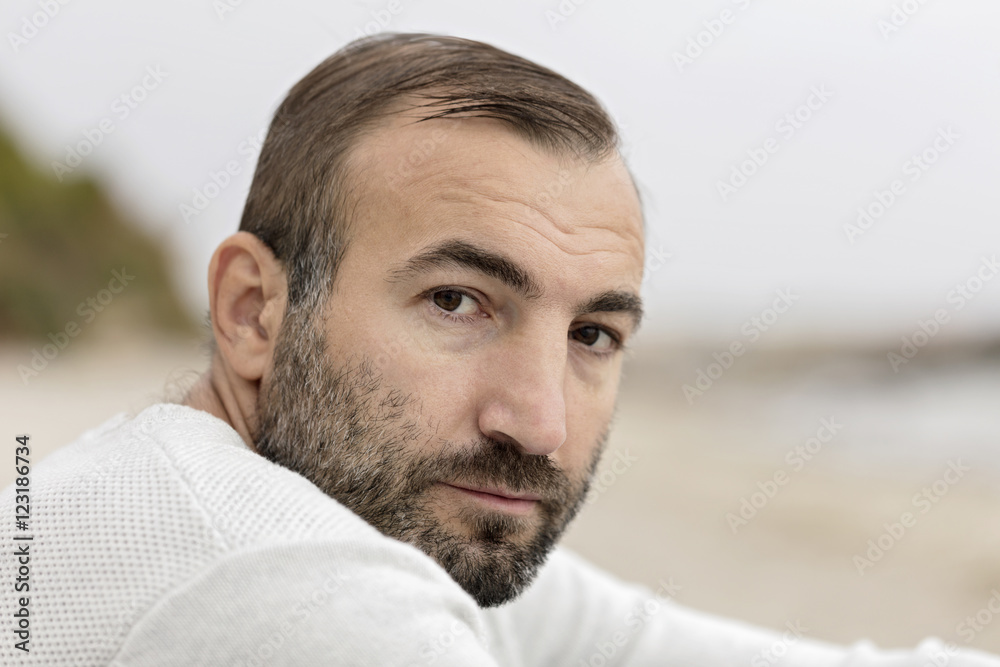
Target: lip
{"x": 515, "y": 503}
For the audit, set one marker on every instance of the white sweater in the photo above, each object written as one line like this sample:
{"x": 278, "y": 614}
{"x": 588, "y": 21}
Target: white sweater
{"x": 163, "y": 540}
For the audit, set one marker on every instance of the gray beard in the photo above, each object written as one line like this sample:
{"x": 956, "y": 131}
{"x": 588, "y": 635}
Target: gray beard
{"x": 358, "y": 441}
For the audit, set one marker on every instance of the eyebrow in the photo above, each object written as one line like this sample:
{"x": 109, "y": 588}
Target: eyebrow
{"x": 464, "y": 255}
{"x": 615, "y": 301}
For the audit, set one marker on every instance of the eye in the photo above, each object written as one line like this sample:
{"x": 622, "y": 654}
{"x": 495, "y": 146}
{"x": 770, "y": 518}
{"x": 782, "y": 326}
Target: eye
{"x": 597, "y": 338}
{"x": 454, "y": 302}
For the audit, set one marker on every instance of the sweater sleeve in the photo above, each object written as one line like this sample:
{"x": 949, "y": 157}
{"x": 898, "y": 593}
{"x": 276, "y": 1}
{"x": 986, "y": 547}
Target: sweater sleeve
{"x": 356, "y": 603}
{"x": 575, "y": 614}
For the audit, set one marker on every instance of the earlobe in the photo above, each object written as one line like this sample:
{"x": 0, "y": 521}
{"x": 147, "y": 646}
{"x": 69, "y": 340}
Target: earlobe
{"x": 247, "y": 292}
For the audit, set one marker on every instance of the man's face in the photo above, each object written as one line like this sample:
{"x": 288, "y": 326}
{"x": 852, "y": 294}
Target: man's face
{"x": 457, "y": 391}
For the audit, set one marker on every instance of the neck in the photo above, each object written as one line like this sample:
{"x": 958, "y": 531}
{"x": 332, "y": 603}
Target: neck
{"x": 214, "y": 394}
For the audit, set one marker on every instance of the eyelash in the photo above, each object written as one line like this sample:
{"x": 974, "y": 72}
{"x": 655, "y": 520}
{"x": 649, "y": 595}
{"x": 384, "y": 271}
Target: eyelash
{"x": 440, "y": 312}
{"x": 616, "y": 342}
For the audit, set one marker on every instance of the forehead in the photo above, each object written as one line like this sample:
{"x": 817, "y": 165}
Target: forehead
{"x": 474, "y": 178}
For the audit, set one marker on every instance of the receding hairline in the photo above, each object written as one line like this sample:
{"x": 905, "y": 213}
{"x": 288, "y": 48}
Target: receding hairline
{"x": 357, "y": 162}
{"x": 303, "y": 196}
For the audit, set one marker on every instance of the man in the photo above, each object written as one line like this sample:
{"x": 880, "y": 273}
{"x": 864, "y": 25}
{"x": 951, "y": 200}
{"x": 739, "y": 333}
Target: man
{"x": 418, "y": 336}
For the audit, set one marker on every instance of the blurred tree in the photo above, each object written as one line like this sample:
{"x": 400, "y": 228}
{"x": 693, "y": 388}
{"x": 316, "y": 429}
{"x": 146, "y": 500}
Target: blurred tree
{"x": 60, "y": 242}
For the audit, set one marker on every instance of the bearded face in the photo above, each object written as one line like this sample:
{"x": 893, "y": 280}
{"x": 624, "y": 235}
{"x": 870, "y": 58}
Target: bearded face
{"x": 455, "y": 382}
{"x": 360, "y": 441}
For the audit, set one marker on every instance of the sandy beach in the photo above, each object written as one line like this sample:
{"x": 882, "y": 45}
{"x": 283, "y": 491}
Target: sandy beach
{"x": 668, "y": 503}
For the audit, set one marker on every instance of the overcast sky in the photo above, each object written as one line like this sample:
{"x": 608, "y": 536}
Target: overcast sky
{"x": 757, "y": 129}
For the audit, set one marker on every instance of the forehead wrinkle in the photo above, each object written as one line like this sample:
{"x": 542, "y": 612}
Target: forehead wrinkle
{"x": 438, "y": 179}
{"x": 464, "y": 196}
{"x": 561, "y": 248}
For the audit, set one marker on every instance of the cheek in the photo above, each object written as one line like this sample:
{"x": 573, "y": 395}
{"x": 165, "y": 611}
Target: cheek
{"x": 403, "y": 353}
{"x": 406, "y": 352}
{"x": 440, "y": 384}
{"x": 588, "y": 415}
{"x": 394, "y": 355}
{"x": 366, "y": 326}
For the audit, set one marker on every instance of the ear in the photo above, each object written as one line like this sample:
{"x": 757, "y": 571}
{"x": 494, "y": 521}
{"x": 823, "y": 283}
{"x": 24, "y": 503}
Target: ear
{"x": 247, "y": 292}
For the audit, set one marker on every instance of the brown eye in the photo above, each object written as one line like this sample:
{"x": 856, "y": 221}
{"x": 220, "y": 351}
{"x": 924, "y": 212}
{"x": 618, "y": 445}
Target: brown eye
{"x": 449, "y": 301}
{"x": 594, "y": 337}
{"x": 453, "y": 301}
{"x": 587, "y": 335}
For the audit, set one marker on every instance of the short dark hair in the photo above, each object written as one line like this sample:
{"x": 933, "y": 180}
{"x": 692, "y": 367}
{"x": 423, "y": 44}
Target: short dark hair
{"x": 301, "y": 192}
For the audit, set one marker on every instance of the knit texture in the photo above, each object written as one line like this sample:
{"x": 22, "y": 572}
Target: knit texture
{"x": 162, "y": 539}
{"x": 137, "y": 509}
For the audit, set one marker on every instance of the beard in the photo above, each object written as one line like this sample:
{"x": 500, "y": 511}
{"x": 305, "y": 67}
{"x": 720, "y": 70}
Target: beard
{"x": 362, "y": 443}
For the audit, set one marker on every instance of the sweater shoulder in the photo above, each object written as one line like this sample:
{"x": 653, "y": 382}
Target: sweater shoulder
{"x": 139, "y": 506}
{"x": 178, "y": 466}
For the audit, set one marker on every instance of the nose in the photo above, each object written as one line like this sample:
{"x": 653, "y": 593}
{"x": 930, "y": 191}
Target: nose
{"x": 523, "y": 396}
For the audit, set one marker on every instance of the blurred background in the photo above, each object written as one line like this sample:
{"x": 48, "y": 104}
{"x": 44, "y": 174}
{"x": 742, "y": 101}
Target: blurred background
{"x": 822, "y": 351}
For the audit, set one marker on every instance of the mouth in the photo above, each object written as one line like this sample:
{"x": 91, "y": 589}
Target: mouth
{"x": 499, "y": 499}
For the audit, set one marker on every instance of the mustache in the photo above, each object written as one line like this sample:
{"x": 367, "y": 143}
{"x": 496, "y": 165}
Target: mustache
{"x": 494, "y": 463}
